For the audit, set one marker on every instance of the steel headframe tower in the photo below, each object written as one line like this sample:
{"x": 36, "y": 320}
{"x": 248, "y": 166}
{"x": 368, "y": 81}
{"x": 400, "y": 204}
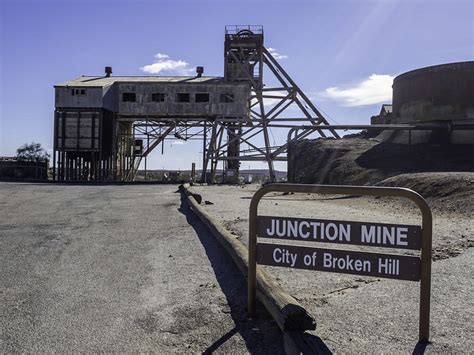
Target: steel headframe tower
{"x": 245, "y": 57}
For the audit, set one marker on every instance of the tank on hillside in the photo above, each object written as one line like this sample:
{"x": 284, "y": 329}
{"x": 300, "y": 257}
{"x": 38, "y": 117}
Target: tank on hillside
{"x": 440, "y": 96}
{"x": 437, "y": 93}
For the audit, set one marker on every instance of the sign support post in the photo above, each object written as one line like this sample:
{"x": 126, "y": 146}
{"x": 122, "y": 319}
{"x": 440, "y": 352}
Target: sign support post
{"x": 423, "y": 274}
{"x": 425, "y": 283}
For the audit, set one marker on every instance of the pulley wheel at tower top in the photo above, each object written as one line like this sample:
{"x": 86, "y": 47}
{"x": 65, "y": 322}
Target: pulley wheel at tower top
{"x": 245, "y": 33}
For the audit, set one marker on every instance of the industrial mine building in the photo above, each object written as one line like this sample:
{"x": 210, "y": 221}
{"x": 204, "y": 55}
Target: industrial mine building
{"x": 94, "y": 117}
{"x": 105, "y": 126}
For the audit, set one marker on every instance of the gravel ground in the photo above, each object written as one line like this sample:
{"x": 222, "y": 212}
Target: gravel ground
{"x": 363, "y": 314}
{"x": 118, "y": 269}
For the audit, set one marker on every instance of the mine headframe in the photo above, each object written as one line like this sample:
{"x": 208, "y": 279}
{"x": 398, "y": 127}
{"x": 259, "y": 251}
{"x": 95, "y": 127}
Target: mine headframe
{"x": 245, "y": 58}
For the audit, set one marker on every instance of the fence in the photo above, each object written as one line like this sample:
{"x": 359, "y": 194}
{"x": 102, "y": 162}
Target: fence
{"x": 23, "y": 170}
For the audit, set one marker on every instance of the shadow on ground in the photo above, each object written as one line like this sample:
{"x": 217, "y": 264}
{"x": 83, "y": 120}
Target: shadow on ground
{"x": 261, "y": 335}
{"x": 420, "y": 348}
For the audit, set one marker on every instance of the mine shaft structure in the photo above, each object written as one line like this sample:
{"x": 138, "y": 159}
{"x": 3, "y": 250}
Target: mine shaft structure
{"x": 245, "y": 58}
{"x": 105, "y": 127}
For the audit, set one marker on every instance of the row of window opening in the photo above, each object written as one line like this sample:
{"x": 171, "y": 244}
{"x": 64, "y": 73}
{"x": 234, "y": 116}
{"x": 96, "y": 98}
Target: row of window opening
{"x": 160, "y": 97}
{"x": 78, "y": 92}
{"x": 180, "y": 97}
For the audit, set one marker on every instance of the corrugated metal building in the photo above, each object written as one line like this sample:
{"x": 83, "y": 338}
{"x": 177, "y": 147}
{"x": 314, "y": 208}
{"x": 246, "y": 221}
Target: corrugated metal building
{"x": 93, "y": 114}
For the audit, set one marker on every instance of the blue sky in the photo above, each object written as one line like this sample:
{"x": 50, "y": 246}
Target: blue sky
{"x": 343, "y": 54}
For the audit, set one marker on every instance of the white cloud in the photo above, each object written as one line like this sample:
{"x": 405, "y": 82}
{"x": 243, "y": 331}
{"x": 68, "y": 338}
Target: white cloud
{"x": 164, "y": 64}
{"x": 275, "y": 53}
{"x": 161, "y": 56}
{"x": 375, "y": 89}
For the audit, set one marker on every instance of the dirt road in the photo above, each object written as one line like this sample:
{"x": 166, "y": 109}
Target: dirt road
{"x": 117, "y": 269}
{"x": 366, "y": 314}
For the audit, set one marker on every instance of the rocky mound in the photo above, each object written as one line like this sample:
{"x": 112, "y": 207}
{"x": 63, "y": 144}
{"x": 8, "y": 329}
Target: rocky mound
{"x": 355, "y": 161}
{"x": 454, "y": 191}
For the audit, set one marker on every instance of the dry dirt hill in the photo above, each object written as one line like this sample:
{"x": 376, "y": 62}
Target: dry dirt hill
{"x": 442, "y": 174}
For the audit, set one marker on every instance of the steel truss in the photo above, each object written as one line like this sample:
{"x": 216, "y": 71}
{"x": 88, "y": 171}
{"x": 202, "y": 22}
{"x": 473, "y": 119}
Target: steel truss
{"x": 236, "y": 139}
{"x": 245, "y": 60}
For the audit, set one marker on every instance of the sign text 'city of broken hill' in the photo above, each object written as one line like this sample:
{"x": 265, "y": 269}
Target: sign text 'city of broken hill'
{"x": 341, "y": 232}
{"x": 381, "y": 235}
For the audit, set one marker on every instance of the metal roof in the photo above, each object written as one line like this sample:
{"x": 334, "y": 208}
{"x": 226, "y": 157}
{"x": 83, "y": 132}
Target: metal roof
{"x": 101, "y": 81}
